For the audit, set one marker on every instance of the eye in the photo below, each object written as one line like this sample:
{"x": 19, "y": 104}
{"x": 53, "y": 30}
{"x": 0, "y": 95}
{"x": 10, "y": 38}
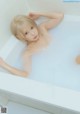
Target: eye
{"x": 31, "y": 27}
{"x": 26, "y": 33}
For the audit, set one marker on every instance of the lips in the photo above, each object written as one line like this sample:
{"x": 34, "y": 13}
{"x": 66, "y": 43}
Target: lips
{"x": 35, "y": 37}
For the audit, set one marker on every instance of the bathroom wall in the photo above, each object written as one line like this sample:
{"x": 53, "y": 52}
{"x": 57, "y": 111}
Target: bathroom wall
{"x": 55, "y": 5}
{"x": 8, "y": 9}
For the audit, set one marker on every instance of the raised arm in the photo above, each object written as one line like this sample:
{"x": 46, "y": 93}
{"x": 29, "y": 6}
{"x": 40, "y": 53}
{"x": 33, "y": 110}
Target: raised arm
{"x": 54, "y": 19}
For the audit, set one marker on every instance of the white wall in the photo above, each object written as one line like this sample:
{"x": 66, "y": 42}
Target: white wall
{"x": 55, "y": 5}
{"x": 8, "y": 9}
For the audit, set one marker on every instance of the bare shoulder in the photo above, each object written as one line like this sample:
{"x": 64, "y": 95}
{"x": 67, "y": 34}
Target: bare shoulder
{"x": 42, "y": 28}
{"x": 44, "y": 31}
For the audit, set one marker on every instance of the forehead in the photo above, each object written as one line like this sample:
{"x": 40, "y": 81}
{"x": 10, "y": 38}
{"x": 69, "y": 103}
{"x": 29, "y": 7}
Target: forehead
{"x": 26, "y": 27}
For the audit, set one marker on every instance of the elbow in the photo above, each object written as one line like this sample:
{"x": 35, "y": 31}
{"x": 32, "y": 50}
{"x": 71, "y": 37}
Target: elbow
{"x": 25, "y": 74}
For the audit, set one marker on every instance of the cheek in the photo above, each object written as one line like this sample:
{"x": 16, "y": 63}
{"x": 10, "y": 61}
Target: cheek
{"x": 36, "y": 31}
{"x": 28, "y": 37}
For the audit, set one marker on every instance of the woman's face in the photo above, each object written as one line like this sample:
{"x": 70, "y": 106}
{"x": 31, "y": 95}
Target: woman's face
{"x": 30, "y": 33}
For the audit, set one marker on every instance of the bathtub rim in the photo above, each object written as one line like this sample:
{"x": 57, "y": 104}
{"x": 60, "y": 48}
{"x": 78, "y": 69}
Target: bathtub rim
{"x": 52, "y": 95}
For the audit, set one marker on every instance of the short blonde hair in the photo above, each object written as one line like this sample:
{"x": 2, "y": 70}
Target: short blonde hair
{"x": 16, "y": 25}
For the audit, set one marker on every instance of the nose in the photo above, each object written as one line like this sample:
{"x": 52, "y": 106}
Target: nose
{"x": 32, "y": 33}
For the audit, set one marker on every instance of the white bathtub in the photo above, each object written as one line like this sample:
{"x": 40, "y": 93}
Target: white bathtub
{"x": 54, "y": 83}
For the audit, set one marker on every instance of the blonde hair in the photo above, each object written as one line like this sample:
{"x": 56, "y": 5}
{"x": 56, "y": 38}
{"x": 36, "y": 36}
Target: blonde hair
{"x": 16, "y": 26}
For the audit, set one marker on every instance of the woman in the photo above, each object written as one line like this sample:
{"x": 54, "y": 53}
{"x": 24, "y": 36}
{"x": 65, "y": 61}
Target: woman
{"x": 35, "y": 36}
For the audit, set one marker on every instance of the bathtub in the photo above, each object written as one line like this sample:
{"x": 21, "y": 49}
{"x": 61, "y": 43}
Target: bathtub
{"x": 54, "y": 83}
